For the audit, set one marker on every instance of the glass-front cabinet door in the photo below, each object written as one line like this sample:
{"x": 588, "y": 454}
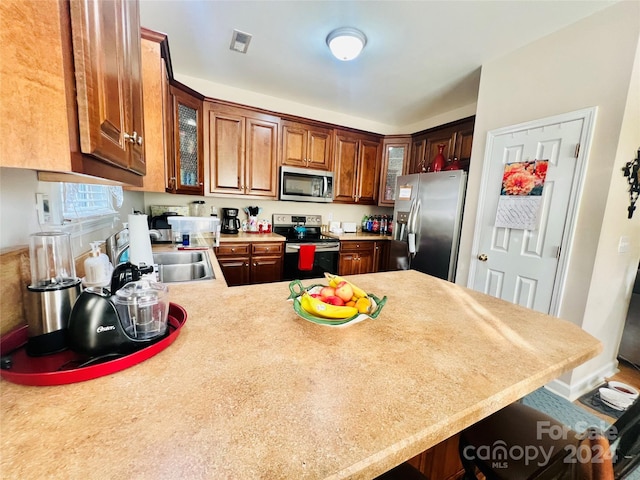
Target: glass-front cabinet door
{"x": 394, "y": 163}
{"x": 188, "y": 168}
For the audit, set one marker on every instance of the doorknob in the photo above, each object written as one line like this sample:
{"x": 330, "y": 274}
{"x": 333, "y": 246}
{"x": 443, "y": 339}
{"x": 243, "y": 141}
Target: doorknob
{"x": 483, "y": 257}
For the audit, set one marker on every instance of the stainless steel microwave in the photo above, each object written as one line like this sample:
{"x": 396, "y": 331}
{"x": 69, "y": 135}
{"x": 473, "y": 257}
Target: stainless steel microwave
{"x": 305, "y": 185}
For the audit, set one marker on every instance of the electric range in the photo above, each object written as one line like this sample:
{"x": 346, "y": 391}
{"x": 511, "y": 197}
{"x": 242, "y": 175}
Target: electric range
{"x": 306, "y": 230}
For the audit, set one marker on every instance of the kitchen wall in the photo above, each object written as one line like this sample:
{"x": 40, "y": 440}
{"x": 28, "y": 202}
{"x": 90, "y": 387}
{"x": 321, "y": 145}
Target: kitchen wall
{"x": 589, "y": 63}
{"x": 18, "y": 188}
{"x": 331, "y": 211}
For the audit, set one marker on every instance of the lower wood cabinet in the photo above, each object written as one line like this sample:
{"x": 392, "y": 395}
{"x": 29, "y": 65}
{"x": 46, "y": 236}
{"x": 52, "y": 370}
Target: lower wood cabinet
{"x": 363, "y": 256}
{"x": 381, "y": 256}
{"x": 440, "y": 462}
{"x": 356, "y": 257}
{"x": 244, "y": 263}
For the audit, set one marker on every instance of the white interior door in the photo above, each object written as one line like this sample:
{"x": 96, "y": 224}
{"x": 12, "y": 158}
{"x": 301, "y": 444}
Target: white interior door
{"x": 522, "y": 266}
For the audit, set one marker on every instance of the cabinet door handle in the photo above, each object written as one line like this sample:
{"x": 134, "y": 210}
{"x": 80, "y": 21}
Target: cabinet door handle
{"x": 130, "y": 138}
{"x": 233, "y": 249}
{"x": 255, "y": 264}
{"x": 138, "y": 139}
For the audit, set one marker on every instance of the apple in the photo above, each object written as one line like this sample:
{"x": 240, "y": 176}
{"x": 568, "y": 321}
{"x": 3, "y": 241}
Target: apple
{"x": 327, "y": 292}
{"x": 315, "y": 295}
{"x": 333, "y": 300}
{"x": 344, "y": 290}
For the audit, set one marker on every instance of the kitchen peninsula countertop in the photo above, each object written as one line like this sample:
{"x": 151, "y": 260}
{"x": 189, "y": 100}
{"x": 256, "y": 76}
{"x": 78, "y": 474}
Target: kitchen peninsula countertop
{"x": 250, "y": 390}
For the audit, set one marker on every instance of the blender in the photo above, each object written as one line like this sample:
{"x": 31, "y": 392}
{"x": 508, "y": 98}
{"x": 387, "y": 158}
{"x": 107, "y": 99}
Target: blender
{"x": 52, "y": 293}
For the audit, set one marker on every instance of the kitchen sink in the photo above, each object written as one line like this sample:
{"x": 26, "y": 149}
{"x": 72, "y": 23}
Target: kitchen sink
{"x": 183, "y": 266}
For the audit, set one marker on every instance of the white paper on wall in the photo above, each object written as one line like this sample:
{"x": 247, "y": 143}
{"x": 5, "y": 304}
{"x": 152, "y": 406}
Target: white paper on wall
{"x": 520, "y": 198}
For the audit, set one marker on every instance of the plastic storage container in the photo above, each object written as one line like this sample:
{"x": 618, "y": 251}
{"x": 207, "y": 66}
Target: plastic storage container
{"x": 143, "y": 308}
{"x": 197, "y": 209}
{"x": 195, "y": 232}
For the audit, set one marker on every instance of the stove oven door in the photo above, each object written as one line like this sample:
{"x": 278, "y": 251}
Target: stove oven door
{"x": 325, "y": 260}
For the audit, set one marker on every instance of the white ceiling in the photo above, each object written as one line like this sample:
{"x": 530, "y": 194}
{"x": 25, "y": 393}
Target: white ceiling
{"x": 422, "y": 58}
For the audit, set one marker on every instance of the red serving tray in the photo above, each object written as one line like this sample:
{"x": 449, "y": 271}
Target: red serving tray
{"x": 64, "y": 367}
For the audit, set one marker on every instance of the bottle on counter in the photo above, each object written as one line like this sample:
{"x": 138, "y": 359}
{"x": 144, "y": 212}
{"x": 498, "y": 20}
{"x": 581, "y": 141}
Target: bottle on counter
{"x": 383, "y": 225}
{"x": 364, "y": 223}
{"x": 390, "y": 225}
{"x": 370, "y": 223}
{"x": 375, "y": 227}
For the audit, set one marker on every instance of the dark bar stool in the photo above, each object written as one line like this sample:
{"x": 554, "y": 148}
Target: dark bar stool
{"x": 404, "y": 471}
{"x": 520, "y": 442}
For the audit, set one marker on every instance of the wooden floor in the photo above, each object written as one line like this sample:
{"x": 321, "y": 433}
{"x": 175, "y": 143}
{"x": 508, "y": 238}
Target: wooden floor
{"x": 628, "y": 374}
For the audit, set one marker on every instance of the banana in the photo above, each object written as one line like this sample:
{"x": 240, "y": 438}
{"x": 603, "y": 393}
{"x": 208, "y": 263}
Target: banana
{"x": 334, "y": 280}
{"x": 320, "y": 309}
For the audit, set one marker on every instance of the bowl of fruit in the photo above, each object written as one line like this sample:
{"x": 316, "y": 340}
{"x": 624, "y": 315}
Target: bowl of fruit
{"x": 338, "y": 302}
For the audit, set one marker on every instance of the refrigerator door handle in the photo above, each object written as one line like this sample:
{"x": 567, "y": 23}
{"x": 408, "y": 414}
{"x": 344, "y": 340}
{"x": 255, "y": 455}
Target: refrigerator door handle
{"x": 416, "y": 216}
{"x": 410, "y": 223}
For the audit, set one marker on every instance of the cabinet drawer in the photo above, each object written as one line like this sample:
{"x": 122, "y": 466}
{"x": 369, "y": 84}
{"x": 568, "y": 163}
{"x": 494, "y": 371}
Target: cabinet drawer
{"x": 233, "y": 249}
{"x": 357, "y": 246}
{"x": 263, "y": 248}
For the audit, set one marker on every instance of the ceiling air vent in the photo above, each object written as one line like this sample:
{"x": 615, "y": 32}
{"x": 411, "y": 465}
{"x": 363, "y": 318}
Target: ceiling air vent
{"x": 240, "y": 41}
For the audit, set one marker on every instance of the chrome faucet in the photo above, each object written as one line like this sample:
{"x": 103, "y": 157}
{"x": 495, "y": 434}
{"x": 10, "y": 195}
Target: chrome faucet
{"x": 116, "y": 245}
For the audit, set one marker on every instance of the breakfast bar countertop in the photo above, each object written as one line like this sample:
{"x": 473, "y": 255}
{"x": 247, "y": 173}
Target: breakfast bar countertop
{"x": 251, "y": 390}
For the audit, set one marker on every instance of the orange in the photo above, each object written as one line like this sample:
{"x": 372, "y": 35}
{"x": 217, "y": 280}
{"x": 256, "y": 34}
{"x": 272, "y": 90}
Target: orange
{"x": 363, "y": 305}
{"x": 350, "y": 303}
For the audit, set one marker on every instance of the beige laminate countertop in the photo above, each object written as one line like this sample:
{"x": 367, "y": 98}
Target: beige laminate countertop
{"x": 251, "y": 391}
{"x": 251, "y": 237}
{"x": 358, "y": 236}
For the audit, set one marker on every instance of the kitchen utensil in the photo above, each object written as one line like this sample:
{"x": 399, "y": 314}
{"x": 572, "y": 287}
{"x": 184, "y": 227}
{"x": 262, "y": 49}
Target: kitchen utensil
{"x": 132, "y": 318}
{"x": 197, "y": 208}
{"x": 52, "y": 293}
{"x": 70, "y": 367}
{"x": 230, "y": 221}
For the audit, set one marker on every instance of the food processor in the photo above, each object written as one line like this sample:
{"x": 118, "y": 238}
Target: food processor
{"x": 52, "y": 293}
{"x": 131, "y": 315}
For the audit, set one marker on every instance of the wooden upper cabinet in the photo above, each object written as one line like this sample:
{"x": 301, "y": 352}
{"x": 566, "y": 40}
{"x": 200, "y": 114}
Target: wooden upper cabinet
{"x": 106, "y": 51}
{"x": 76, "y": 83}
{"x": 395, "y": 162}
{"x": 157, "y": 112}
{"x": 188, "y": 159}
{"x": 261, "y": 157}
{"x": 456, "y": 137}
{"x": 306, "y": 146}
{"x": 241, "y": 150}
{"x": 356, "y": 168}
{"x": 225, "y": 151}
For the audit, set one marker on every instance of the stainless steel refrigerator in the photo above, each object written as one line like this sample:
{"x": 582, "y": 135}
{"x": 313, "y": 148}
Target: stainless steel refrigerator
{"x": 427, "y": 218}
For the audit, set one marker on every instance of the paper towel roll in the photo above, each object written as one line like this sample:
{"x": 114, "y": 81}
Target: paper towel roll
{"x": 139, "y": 240}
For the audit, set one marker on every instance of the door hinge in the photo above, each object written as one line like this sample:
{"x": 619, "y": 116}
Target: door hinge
{"x": 577, "y": 150}
{"x": 558, "y": 253}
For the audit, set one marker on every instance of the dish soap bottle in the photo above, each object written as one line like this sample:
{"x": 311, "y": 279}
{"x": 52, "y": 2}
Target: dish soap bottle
{"x": 97, "y": 268}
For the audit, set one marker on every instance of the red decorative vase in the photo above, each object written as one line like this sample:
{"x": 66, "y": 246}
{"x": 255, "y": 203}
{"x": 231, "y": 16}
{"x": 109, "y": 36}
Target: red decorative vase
{"x": 438, "y": 162}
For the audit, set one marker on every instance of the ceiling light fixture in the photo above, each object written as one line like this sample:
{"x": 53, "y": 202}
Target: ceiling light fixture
{"x": 346, "y": 43}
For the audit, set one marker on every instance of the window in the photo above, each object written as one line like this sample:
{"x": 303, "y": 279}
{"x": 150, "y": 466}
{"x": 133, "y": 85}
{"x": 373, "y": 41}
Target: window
{"x": 81, "y": 201}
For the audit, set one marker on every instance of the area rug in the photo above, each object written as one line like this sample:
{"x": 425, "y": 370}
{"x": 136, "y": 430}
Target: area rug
{"x": 563, "y": 410}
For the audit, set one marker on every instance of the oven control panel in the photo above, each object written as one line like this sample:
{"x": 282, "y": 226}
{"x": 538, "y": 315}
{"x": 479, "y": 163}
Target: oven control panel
{"x": 282, "y": 219}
